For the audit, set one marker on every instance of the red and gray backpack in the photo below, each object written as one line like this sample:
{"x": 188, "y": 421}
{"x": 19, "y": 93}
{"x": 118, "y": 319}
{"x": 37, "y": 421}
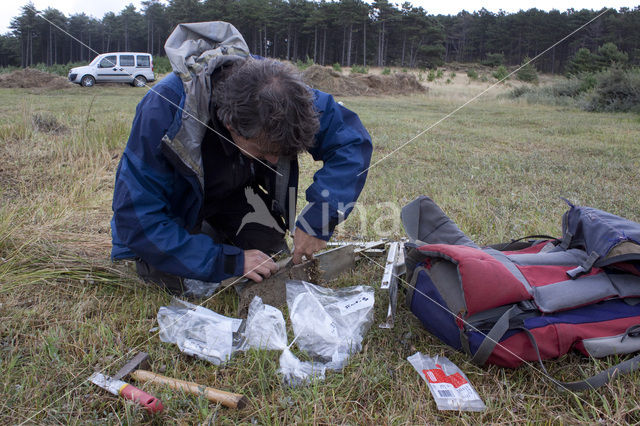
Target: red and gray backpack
{"x": 532, "y": 299}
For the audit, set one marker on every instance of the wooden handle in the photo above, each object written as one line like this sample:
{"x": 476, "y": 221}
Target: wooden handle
{"x": 228, "y": 399}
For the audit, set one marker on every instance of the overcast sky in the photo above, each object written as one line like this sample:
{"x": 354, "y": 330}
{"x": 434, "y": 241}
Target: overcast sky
{"x": 97, "y": 8}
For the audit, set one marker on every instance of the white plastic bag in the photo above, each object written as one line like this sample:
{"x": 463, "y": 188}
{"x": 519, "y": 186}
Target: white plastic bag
{"x": 448, "y": 384}
{"x": 265, "y": 327}
{"x": 198, "y": 331}
{"x": 295, "y": 372}
{"x": 329, "y": 324}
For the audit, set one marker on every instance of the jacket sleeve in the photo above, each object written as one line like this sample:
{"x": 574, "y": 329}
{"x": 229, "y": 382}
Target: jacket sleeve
{"x": 344, "y": 146}
{"x": 143, "y": 220}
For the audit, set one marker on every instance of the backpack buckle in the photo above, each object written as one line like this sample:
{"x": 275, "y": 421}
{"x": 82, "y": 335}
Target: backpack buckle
{"x": 527, "y": 305}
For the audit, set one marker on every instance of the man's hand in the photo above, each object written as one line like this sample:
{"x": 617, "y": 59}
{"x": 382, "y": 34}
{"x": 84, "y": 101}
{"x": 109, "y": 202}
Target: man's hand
{"x": 305, "y": 245}
{"x": 258, "y": 265}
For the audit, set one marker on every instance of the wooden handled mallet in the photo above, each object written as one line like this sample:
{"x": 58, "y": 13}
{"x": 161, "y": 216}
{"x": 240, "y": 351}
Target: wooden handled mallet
{"x": 135, "y": 369}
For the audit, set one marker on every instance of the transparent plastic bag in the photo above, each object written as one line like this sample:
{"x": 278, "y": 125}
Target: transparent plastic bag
{"x": 329, "y": 324}
{"x": 199, "y": 331}
{"x": 199, "y": 289}
{"x": 295, "y": 372}
{"x": 265, "y": 327}
{"x": 448, "y": 384}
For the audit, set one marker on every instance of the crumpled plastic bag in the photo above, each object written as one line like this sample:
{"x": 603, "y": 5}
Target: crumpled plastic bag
{"x": 329, "y": 324}
{"x": 199, "y": 331}
{"x": 295, "y": 372}
{"x": 449, "y": 386}
{"x": 199, "y": 289}
{"x": 265, "y": 327}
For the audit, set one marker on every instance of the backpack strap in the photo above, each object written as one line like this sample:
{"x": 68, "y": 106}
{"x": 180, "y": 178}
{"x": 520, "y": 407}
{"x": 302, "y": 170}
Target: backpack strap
{"x": 566, "y": 240}
{"x": 424, "y": 221}
{"x": 502, "y": 326}
{"x": 512, "y": 245}
{"x": 279, "y": 201}
{"x": 593, "y": 382}
{"x": 585, "y": 267}
{"x": 498, "y": 330}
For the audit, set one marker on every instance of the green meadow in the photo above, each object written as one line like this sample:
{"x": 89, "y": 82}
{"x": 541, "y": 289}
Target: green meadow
{"x": 497, "y": 167}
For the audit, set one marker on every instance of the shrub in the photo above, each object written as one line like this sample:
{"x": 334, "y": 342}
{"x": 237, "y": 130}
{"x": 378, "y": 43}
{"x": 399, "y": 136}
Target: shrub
{"x": 500, "y": 73}
{"x": 386, "y": 71}
{"x": 612, "y": 90}
{"x": 431, "y": 76}
{"x": 6, "y": 70}
{"x": 494, "y": 59}
{"x": 337, "y": 67}
{"x": 58, "y": 69}
{"x": 575, "y": 86}
{"x": 528, "y": 72}
{"x": 520, "y": 91}
{"x": 616, "y": 90}
{"x": 439, "y": 74}
{"x": 303, "y": 65}
{"x": 453, "y": 74}
{"x": 359, "y": 69}
{"x": 404, "y": 70}
{"x": 562, "y": 93}
{"x": 472, "y": 74}
{"x": 582, "y": 62}
{"x": 586, "y": 62}
{"x": 161, "y": 65}
{"x": 448, "y": 81}
{"x": 542, "y": 95}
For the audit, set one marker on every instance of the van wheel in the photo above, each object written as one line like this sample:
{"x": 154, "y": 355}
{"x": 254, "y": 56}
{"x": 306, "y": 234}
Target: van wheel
{"x": 139, "y": 81}
{"x": 87, "y": 81}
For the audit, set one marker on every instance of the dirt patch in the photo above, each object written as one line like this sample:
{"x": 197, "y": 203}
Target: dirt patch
{"x": 330, "y": 81}
{"x": 29, "y": 78}
{"x": 273, "y": 290}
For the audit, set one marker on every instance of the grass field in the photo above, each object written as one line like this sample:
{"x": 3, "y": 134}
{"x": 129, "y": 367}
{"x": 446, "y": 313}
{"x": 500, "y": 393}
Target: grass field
{"x": 497, "y": 167}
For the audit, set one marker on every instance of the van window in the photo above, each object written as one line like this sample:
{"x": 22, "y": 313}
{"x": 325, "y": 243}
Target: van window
{"x": 108, "y": 62}
{"x": 126, "y": 61}
{"x": 143, "y": 61}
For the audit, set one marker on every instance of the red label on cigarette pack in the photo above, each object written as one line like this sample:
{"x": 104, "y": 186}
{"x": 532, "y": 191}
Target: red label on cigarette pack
{"x": 436, "y": 375}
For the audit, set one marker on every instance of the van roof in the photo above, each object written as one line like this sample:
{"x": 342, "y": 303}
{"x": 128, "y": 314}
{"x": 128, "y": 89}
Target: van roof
{"x": 125, "y": 53}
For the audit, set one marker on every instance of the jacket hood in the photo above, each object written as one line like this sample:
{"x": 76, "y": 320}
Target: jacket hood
{"x": 195, "y": 50}
{"x": 192, "y": 48}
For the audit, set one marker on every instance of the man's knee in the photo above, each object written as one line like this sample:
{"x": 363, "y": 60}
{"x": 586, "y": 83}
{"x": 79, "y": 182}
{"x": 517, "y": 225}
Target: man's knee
{"x": 172, "y": 283}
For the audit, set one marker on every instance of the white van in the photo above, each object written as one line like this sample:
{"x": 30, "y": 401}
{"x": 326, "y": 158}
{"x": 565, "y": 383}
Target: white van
{"x": 135, "y": 68}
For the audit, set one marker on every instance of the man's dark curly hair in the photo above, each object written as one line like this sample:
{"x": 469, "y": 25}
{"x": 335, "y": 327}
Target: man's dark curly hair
{"x": 265, "y": 99}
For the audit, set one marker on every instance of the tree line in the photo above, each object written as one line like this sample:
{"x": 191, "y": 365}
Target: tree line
{"x": 348, "y": 32}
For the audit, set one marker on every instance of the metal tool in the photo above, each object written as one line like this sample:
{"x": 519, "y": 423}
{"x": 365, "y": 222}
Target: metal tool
{"x": 132, "y": 369}
{"x": 369, "y": 248}
{"x": 394, "y": 267}
{"x": 119, "y": 387}
{"x": 324, "y": 267}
